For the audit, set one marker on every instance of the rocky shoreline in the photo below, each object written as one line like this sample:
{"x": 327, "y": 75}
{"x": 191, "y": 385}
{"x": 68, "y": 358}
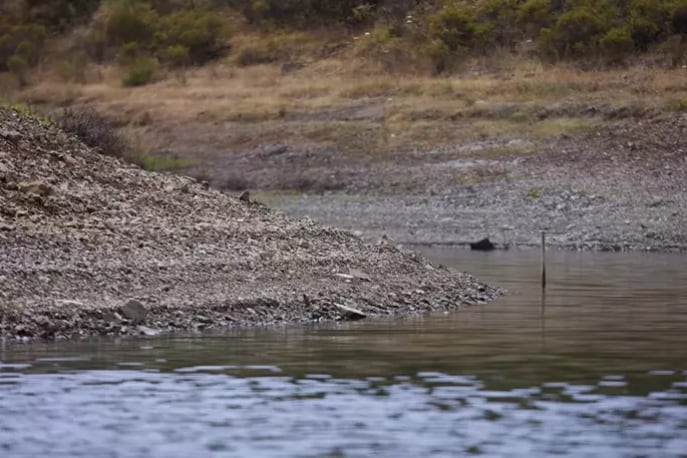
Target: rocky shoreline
{"x": 620, "y": 187}
{"x": 90, "y": 245}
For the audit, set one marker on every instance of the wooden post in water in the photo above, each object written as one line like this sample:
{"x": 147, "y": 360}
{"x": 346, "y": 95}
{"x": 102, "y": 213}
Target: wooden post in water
{"x": 543, "y": 259}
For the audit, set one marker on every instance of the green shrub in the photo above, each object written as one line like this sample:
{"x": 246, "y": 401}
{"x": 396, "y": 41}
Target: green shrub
{"x": 534, "y": 15}
{"x": 186, "y": 32}
{"x": 455, "y": 26}
{"x": 362, "y": 14}
{"x": 174, "y": 32}
{"x": 617, "y": 44}
{"x": 441, "y": 57}
{"x": 59, "y": 14}
{"x": 129, "y": 53}
{"x": 128, "y": 21}
{"x": 24, "y": 40}
{"x": 499, "y": 21}
{"x": 648, "y": 20}
{"x": 388, "y": 48}
{"x": 177, "y": 55}
{"x": 644, "y": 32}
{"x": 300, "y": 13}
{"x": 575, "y": 34}
{"x": 139, "y": 73}
{"x": 201, "y": 33}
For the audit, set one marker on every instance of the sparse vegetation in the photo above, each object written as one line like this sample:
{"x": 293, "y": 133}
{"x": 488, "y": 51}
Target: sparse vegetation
{"x": 139, "y": 72}
{"x": 534, "y": 193}
{"x": 436, "y": 36}
{"x": 159, "y": 163}
{"x": 94, "y": 130}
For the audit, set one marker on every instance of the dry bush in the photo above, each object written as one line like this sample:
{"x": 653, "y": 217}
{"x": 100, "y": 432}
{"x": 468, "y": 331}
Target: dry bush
{"x": 94, "y": 130}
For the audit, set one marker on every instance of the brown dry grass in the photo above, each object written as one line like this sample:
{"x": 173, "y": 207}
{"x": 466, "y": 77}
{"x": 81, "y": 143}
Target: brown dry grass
{"x": 344, "y": 105}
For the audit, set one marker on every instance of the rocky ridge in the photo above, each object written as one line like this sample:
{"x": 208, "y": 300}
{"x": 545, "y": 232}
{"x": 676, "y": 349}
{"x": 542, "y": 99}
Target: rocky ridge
{"x": 91, "y": 245}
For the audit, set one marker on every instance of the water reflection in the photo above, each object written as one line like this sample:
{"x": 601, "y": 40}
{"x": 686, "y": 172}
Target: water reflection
{"x": 597, "y": 367}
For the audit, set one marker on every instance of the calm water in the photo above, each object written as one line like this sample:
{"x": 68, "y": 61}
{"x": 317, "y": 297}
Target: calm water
{"x": 599, "y": 368}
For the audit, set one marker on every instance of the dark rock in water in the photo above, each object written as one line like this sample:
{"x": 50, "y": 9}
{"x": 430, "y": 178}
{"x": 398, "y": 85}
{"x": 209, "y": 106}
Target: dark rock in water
{"x": 134, "y": 311}
{"x": 245, "y": 196}
{"x": 483, "y": 245}
{"x": 349, "y": 313}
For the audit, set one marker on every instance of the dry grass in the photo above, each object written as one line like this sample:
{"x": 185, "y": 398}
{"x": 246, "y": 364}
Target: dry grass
{"x": 340, "y": 104}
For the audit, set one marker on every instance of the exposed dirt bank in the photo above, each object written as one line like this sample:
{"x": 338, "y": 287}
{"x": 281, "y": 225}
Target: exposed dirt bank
{"x": 90, "y": 245}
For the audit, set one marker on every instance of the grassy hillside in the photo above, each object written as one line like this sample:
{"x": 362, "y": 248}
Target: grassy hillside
{"x": 148, "y": 38}
{"x": 303, "y": 94}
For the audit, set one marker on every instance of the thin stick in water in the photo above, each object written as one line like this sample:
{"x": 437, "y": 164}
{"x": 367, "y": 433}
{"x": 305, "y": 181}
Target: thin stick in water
{"x": 543, "y": 259}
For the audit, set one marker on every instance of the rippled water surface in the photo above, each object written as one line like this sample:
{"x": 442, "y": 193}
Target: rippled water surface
{"x": 596, "y": 368}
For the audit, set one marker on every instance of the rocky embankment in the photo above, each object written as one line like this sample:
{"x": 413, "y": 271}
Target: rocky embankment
{"x": 90, "y": 245}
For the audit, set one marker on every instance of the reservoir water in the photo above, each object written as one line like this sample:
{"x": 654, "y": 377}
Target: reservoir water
{"x": 597, "y": 367}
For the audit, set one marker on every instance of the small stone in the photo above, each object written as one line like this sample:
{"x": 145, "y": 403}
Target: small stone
{"x": 245, "y": 196}
{"x": 360, "y": 275}
{"x": 38, "y": 188}
{"x": 146, "y": 331}
{"x": 112, "y": 317}
{"x": 70, "y": 304}
{"x": 134, "y": 311}
{"x": 10, "y": 134}
{"x": 349, "y": 313}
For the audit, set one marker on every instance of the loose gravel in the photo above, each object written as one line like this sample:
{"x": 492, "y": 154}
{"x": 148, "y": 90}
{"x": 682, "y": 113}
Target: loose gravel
{"x": 91, "y": 245}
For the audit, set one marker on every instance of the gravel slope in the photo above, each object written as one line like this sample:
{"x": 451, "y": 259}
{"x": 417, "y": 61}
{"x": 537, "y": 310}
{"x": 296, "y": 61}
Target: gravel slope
{"x": 90, "y": 245}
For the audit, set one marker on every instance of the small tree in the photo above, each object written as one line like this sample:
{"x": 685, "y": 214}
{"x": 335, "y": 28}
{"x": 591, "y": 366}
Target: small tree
{"x": 455, "y": 26}
{"x": 201, "y": 33}
{"x": 617, "y": 44}
{"x": 534, "y": 15}
{"x": 575, "y": 34}
{"x": 130, "y": 22}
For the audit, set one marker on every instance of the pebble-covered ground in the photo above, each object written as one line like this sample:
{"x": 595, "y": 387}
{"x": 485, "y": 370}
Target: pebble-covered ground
{"x": 90, "y": 245}
{"x": 622, "y": 186}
